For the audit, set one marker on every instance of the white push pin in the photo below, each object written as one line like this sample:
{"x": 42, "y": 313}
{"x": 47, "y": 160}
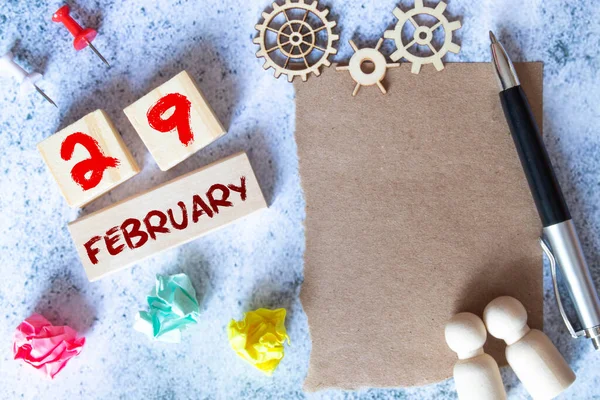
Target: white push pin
{"x": 476, "y": 373}
{"x": 536, "y": 361}
{"x": 10, "y": 68}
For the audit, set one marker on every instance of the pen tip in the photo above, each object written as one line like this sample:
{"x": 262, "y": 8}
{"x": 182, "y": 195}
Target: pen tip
{"x": 493, "y": 37}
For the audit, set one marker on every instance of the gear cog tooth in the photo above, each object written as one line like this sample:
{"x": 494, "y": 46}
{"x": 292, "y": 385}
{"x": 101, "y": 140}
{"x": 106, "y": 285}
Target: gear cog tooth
{"x": 398, "y": 13}
{"x": 256, "y": 40}
{"x": 335, "y": 37}
{"x": 438, "y": 64}
{"x": 389, "y": 34}
{"x": 441, "y": 7}
{"x": 418, "y": 4}
{"x": 313, "y": 5}
{"x": 453, "y": 48}
{"x": 317, "y": 72}
{"x": 395, "y": 56}
{"x": 333, "y": 51}
{"x": 325, "y": 12}
{"x": 454, "y": 25}
{"x": 416, "y": 67}
{"x": 276, "y": 6}
{"x": 260, "y": 53}
{"x": 265, "y": 15}
{"x": 291, "y": 78}
{"x": 326, "y": 63}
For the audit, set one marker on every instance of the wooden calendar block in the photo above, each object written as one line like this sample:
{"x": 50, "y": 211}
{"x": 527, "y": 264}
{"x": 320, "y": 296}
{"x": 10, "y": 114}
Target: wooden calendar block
{"x": 166, "y": 216}
{"x": 88, "y": 158}
{"x": 174, "y": 121}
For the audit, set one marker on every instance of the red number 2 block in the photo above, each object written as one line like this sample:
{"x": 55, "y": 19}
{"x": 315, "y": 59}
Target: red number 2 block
{"x": 174, "y": 121}
{"x": 87, "y": 158}
{"x": 87, "y": 173}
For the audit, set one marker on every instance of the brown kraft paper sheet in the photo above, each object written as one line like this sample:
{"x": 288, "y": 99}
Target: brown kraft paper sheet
{"x": 416, "y": 208}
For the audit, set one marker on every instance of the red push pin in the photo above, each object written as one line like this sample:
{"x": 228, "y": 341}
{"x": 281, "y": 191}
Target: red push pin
{"x": 83, "y": 37}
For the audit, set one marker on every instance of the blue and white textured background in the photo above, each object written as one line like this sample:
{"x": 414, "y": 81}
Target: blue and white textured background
{"x": 257, "y": 262}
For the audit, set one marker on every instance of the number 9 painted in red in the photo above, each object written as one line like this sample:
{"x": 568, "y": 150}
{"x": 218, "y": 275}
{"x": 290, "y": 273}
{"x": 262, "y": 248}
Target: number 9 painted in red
{"x": 180, "y": 118}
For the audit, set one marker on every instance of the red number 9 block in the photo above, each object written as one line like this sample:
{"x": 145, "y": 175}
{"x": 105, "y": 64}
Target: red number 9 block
{"x": 174, "y": 121}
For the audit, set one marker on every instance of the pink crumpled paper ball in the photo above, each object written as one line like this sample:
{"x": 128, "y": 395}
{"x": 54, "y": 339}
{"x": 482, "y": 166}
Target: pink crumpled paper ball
{"x": 44, "y": 346}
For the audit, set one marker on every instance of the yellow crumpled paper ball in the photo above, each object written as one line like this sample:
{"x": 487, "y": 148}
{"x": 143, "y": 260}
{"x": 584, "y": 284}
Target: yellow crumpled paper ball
{"x": 259, "y": 337}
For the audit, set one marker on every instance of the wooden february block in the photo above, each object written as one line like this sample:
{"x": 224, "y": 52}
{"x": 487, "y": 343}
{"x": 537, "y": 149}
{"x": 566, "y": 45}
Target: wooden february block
{"x": 166, "y": 216}
{"x": 174, "y": 121}
{"x": 88, "y": 158}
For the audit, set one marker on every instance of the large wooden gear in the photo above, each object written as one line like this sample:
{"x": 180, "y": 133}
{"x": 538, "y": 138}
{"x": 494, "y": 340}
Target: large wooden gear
{"x": 296, "y": 42}
{"x": 423, "y": 35}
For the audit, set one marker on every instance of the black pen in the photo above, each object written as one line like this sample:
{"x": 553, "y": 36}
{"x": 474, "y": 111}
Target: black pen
{"x": 559, "y": 238}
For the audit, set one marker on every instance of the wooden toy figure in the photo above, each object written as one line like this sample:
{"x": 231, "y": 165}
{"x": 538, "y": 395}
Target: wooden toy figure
{"x": 535, "y": 360}
{"x": 476, "y": 373}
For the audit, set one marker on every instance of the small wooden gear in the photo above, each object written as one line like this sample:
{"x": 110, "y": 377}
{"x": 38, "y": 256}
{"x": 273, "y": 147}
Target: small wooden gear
{"x": 423, "y": 35}
{"x": 300, "y": 48}
{"x": 367, "y": 55}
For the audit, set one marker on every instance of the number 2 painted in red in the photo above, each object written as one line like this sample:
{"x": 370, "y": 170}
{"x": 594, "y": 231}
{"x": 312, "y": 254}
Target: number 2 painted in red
{"x": 180, "y": 119}
{"x": 93, "y": 166}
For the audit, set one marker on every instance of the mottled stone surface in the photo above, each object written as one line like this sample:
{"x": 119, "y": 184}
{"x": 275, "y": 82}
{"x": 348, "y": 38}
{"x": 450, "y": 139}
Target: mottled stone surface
{"x": 257, "y": 262}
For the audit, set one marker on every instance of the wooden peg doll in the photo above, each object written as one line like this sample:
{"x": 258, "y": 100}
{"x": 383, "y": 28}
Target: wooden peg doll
{"x": 476, "y": 373}
{"x": 535, "y": 360}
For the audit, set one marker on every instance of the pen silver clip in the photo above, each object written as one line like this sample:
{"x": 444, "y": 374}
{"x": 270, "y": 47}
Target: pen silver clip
{"x": 561, "y": 309}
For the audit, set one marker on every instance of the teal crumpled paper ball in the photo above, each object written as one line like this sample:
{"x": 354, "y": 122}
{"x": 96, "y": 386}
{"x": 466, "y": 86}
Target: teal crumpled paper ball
{"x": 173, "y": 306}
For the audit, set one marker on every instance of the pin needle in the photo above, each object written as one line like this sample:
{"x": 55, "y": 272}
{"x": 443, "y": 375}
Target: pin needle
{"x": 44, "y": 95}
{"x": 9, "y": 67}
{"x": 97, "y": 52}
